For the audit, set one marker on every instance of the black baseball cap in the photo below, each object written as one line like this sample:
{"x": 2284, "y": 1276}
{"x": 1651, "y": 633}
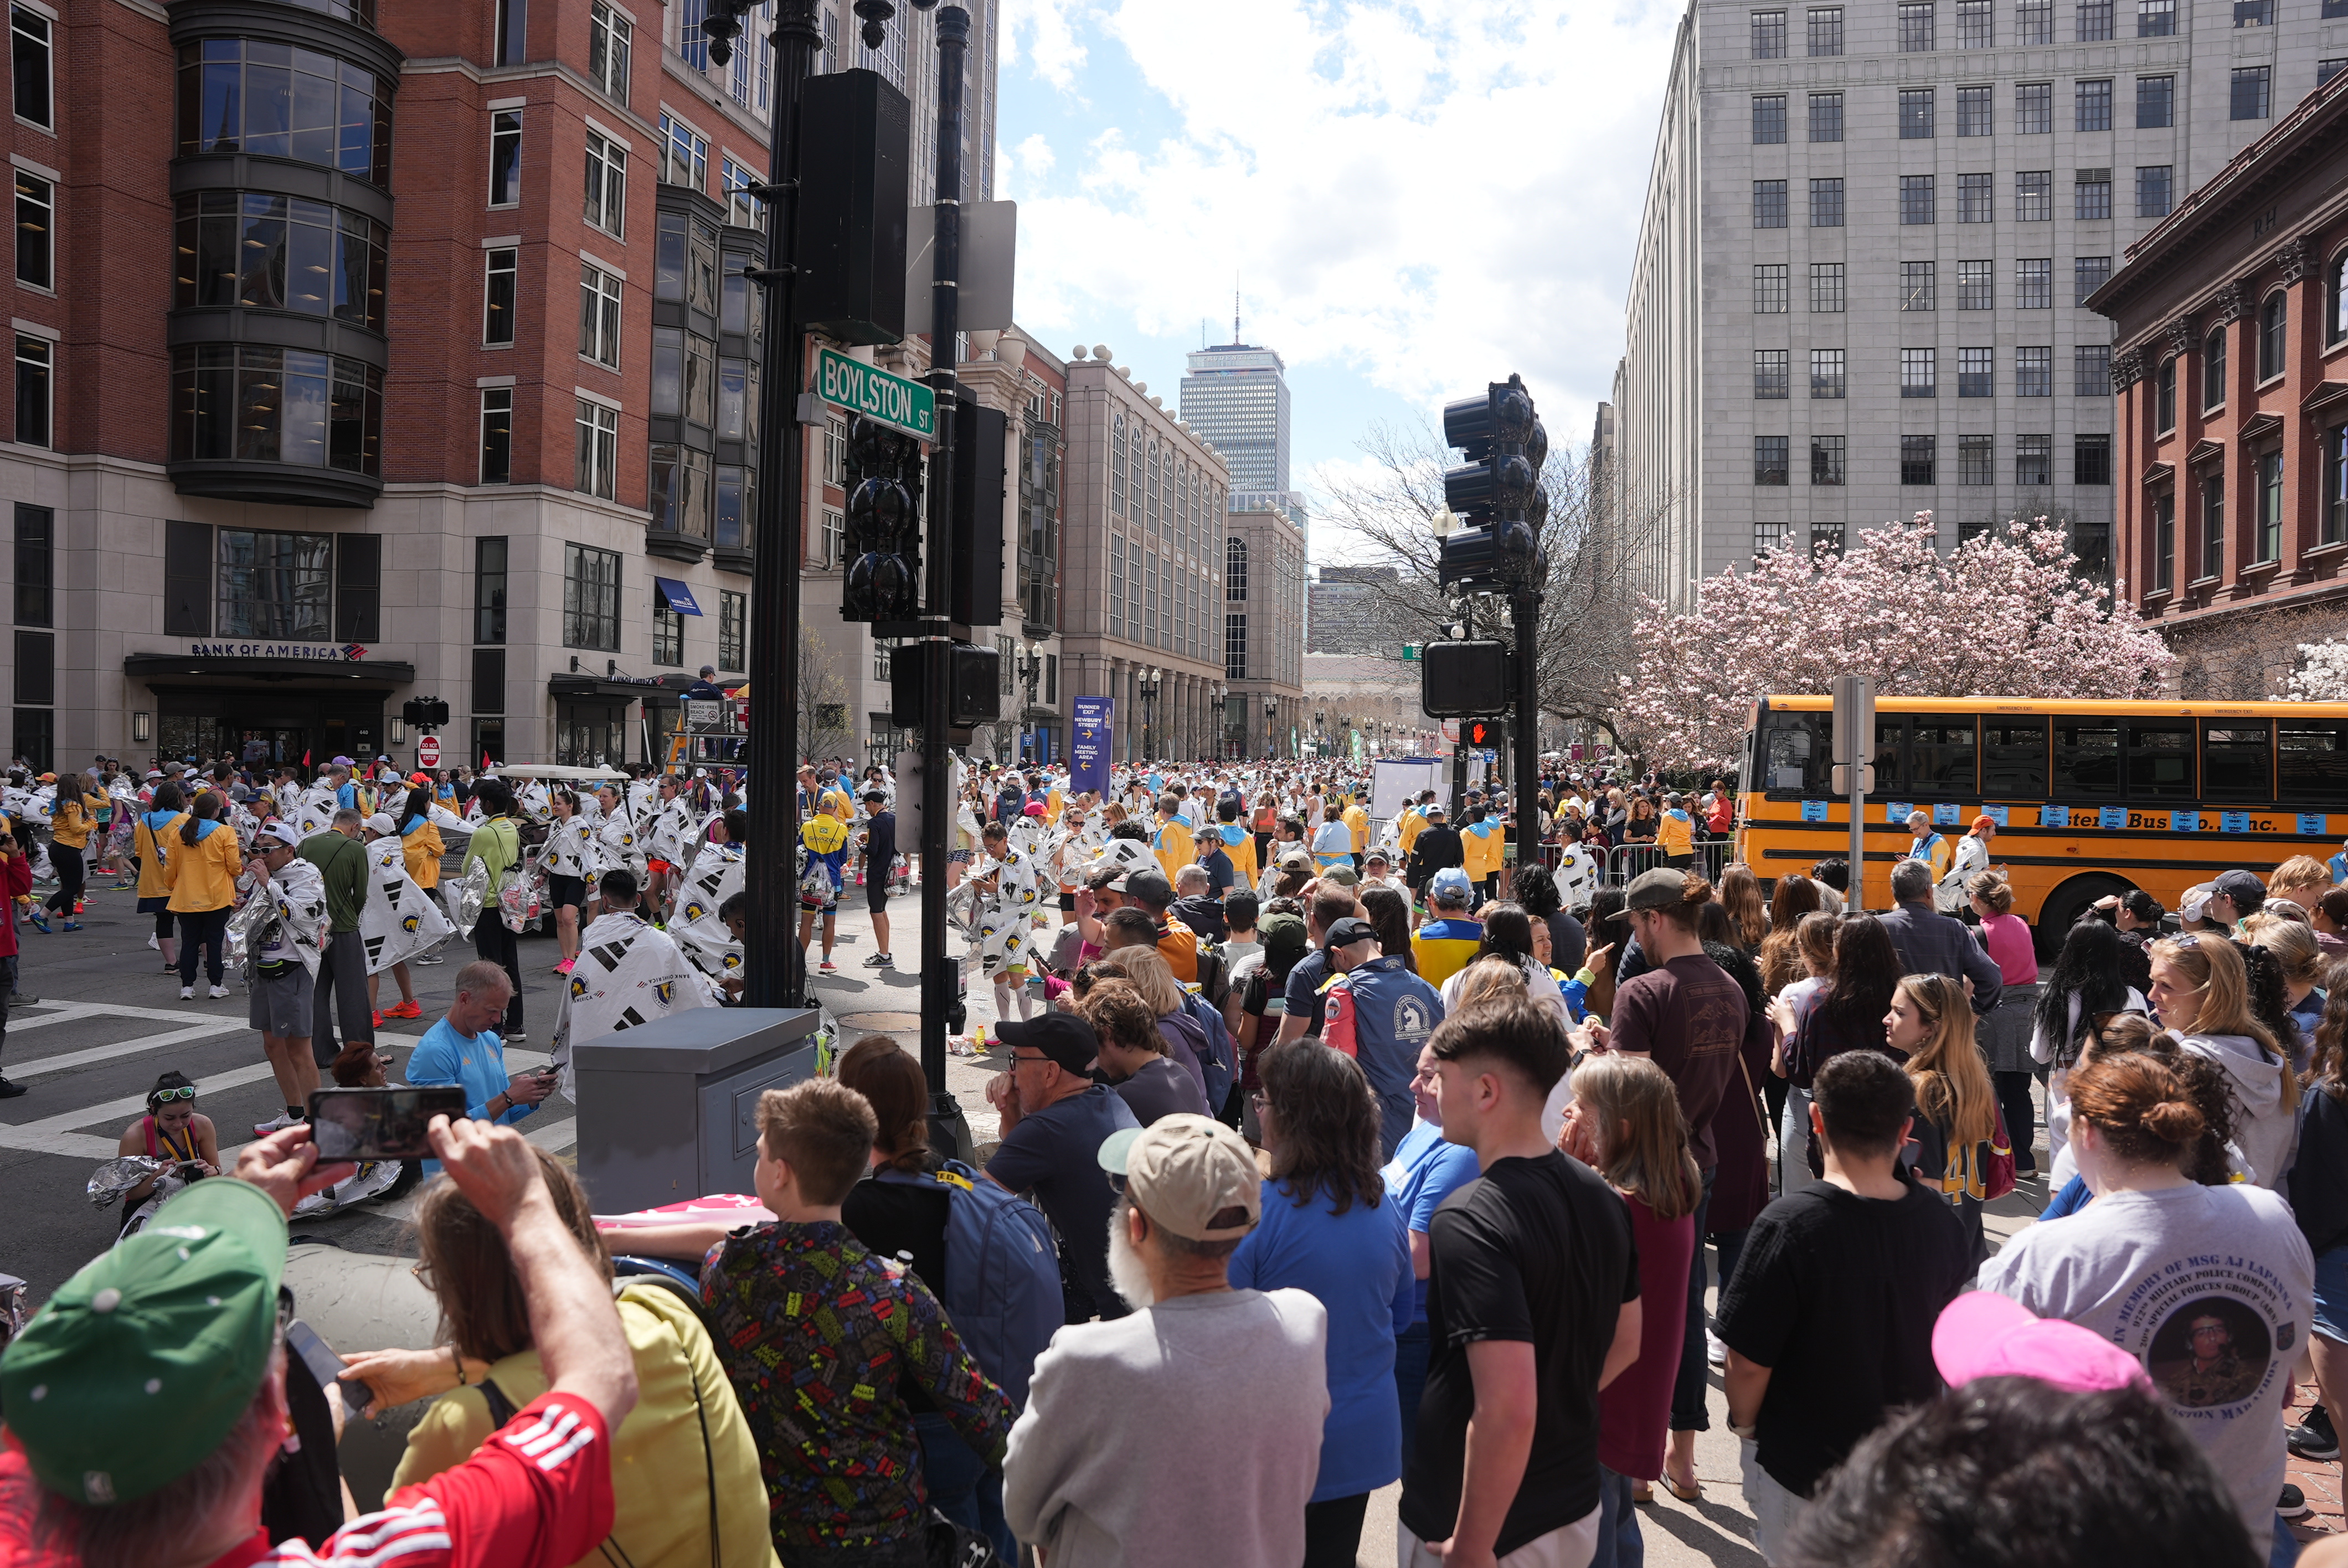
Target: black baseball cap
{"x": 1063, "y": 1038}
{"x": 1353, "y": 928}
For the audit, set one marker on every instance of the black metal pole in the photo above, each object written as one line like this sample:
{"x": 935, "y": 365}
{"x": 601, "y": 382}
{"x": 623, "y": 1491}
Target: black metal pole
{"x": 1525, "y": 610}
{"x": 938, "y": 806}
{"x": 775, "y": 970}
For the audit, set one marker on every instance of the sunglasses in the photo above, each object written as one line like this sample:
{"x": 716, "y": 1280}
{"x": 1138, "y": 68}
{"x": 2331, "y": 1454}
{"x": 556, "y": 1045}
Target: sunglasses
{"x": 163, "y": 1096}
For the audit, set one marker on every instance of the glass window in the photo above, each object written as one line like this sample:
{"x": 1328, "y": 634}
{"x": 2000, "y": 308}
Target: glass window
{"x": 2033, "y": 371}
{"x": 275, "y": 585}
{"x": 2269, "y": 477}
{"x": 2213, "y": 369}
{"x": 1768, "y": 204}
{"x": 2033, "y": 21}
{"x": 2033, "y": 461}
{"x": 2091, "y": 459}
{"x": 1915, "y": 285}
{"x": 1825, "y": 287}
{"x": 1977, "y": 458}
{"x": 733, "y": 631}
{"x": 2094, "y": 21}
{"x": 1770, "y": 293}
{"x": 2235, "y": 762}
{"x": 2034, "y": 109}
{"x": 2154, "y": 186}
{"x": 1826, "y": 372}
{"x": 2156, "y": 19}
{"x": 1916, "y": 112}
{"x": 2156, "y": 102}
{"x": 597, "y": 470}
{"x": 276, "y": 405}
{"x": 1976, "y": 286}
{"x": 1770, "y": 377}
{"x": 2034, "y": 283}
{"x": 685, "y": 154}
{"x": 280, "y": 253}
{"x": 1976, "y": 199}
{"x": 2335, "y": 299}
{"x": 28, "y": 38}
{"x": 2160, "y": 761}
{"x": 2091, "y": 370}
{"x": 599, "y": 315}
{"x": 2014, "y": 764}
{"x": 2252, "y": 87}
{"x": 1976, "y": 373}
{"x": 2253, "y": 12}
{"x": 1769, "y": 459}
{"x": 736, "y": 501}
{"x": 1916, "y": 460}
{"x": 1825, "y": 459}
{"x": 2165, "y": 396}
{"x": 590, "y": 598}
{"x": 1916, "y": 376}
{"x": 1768, "y": 34}
{"x": 1825, "y": 30}
{"x": 36, "y": 565}
{"x": 1825, "y": 117}
{"x": 2034, "y": 196}
{"x": 743, "y": 208}
{"x": 2087, "y": 756}
{"x": 1826, "y": 203}
{"x": 497, "y": 296}
{"x": 2335, "y": 484}
{"x": 2312, "y": 759}
{"x": 505, "y": 157}
{"x": 2164, "y": 542}
{"x": 497, "y": 435}
{"x": 2327, "y": 69}
{"x": 607, "y": 185}
{"x": 608, "y": 37}
{"x": 1916, "y": 205}
{"x": 2091, "y": 197}
{"x": 1974, "y": 28}
{"x": 2088, "y": 273}
{"x": 247, "y": 95}
{"x": 1915, "y": 26}
{"x": 1941, "y": 756}
{"x": 2092, "y": 104}
{"x": 668, "y": 632}
{"x": 489, "y": 589}
{"x": 1769, "y": 118}
{"x": 2273, "y": 318}
{"x": 37, "y": 218}
{"x": 1973, "y": 110}
{"x": 2213, "y": 527}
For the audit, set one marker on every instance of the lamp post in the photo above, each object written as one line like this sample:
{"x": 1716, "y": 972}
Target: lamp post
{"x": 1221, "y": 727}
{"x": 1150, "y": 681}
{"x": 1270, "y": 711}
{"x": 1031, "y": 670}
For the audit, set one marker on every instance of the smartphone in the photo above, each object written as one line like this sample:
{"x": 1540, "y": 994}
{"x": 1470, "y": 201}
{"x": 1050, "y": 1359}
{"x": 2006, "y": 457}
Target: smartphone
{"x": 326, "y": 1367}
{"x": 380, "y": 1124}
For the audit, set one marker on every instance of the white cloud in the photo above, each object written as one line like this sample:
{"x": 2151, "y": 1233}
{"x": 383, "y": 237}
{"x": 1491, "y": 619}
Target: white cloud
{"x": 1424, "y": 194}
{"x": 1044, "y": 33}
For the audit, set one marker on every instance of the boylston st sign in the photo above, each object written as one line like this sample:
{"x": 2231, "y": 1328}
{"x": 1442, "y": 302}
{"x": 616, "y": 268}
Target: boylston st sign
{"x": 890, "y": 400}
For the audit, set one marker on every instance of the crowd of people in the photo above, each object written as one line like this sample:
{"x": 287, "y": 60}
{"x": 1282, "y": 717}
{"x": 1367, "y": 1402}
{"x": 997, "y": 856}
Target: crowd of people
{"x": 1332, "y": 1154}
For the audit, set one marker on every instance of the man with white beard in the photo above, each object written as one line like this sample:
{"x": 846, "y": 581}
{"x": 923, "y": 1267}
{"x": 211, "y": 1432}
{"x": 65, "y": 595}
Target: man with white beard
{"x": 1198, "y": 1367}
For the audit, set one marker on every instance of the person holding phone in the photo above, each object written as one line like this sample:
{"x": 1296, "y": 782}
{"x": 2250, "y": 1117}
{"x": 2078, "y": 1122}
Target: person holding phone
{"x": 463, "y": 1050}
{"x": 174, "y": 1130}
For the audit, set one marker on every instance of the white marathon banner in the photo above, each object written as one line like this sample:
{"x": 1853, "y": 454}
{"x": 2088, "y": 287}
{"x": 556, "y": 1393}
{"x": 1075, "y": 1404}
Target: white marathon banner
{"x": 628, "y": 974}
{"x": 400, "y": 919}
{"x": 708, "y": 946}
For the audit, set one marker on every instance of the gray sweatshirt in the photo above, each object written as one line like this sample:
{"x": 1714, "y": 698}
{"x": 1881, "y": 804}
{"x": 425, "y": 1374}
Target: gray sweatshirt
{"x": 2266, "y": 1125}
{"x": 1186, "y": 1435}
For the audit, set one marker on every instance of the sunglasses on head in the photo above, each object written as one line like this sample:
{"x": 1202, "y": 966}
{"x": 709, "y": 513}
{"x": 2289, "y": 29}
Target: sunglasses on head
{"x": 161, "y": 1096}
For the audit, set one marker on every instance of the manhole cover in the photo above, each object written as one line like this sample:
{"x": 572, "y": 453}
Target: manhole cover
{"x": 881, "y": 1021}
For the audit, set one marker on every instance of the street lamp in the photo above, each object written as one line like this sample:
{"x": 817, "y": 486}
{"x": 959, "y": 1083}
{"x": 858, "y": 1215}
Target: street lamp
{"x": 1222, "y": 725}
{"x": 1270, "y": 711}
{"x": 1150, "y": 683}
{"x": 1031, "y": 670}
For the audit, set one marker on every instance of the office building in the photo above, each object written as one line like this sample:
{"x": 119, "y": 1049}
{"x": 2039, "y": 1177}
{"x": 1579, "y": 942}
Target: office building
{"x": 1858, "y": 292}
{"x": 1236, "y": 395}
{"x": 1263, "y": 633}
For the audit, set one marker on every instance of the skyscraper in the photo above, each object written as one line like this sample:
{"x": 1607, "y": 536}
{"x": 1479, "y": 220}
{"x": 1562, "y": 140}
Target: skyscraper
{"x": 1235, "y": 395}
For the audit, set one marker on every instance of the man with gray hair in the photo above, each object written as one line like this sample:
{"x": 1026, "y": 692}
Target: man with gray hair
{"x": 1198, "y": 1367}
{"x": 1930, "y": 943}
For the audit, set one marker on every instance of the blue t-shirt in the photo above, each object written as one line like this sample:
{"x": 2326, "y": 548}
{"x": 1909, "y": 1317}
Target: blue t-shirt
{"x": 477, "y": 1065}
{"x": 1427, "y": 1169}
{"x": 1054, "y": 1154}
{"x": 1357, "y": 1265}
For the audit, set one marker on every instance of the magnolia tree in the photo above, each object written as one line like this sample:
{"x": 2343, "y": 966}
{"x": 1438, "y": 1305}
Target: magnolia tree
{"x": 2006, "y": 614}
{"x": 2322, "y": 673}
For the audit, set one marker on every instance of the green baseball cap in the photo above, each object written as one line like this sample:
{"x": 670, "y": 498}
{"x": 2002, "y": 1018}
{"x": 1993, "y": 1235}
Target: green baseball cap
{"x": 142, "y": 1363}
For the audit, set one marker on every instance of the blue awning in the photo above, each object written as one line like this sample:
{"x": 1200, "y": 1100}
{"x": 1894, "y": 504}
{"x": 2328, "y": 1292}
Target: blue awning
{"x": 675, "y": 595}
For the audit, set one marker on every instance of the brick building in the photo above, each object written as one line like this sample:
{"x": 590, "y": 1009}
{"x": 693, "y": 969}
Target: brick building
{"x": 367, "y": 353}
{"x": 1263, "y": 631}
{"x": 2232, "y": 363}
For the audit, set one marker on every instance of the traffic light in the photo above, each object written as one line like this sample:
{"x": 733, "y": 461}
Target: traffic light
{"x": 973, "y": 685}
{"x": 1497, "y": 492}
{"x": 883, "y": 527}
{"x": 1463, "y": 677}
{"x": 1482, "y": 734}
{"x": 975, "y": 580}
{"x": 425, "y": 712}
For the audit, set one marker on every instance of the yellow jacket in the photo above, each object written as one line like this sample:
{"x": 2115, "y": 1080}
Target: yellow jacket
{"x": 70, "y": 819}
{"x": 1675, "y": 833}
{"x": 1409, "y": 826}
{"x": 1172, "y": 845}
{"x": 660, "y": 1479}
{"x": 422, "y": 850}
{"x": 1359, "y": 821}
{"x": 153, "y": 857}
{"x": 202, "y": 875}
{"x": 1481, "y": 852}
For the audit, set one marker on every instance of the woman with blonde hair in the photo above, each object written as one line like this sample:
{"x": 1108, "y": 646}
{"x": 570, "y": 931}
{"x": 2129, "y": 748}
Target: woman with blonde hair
{"x": 2292, "y": 944}
{"x": 1956, "y": 1127}
{"x": 2200, "y": 991}
{"x": 2303, "y": 880}
{"x": 1624, "y": 1122}
{"x": 2006, "y": 1031}
{"x": 1740, "y": 894}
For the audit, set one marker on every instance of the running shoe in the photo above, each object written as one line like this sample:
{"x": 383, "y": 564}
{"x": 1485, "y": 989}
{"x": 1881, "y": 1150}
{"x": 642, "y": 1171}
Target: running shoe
{"x": 828, "y": 968}
{"x": 378, "y": 1020}
{"x": 878, "y": 960}
{"x": 2292, "y": 1504}
{"x": 187, "y": 993}
{"x": 72, "y": 925}
{"x": 218, "y": 993}
{"x": 410, "y": 1008}
{"x": 2314, "y": 1437}
{"x": 427, "y": 959}
{"x": 564, "y": 967}
{"x": 10, "y": 1091}
{"x": 152, "y": 943}
{"x": 38, "y": 918}
{"x": 125, "y": 886}
{"x": 277, "y": 1123}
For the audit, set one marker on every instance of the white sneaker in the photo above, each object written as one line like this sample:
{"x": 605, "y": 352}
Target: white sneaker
{"x": 187, "y": 993}
{"x": 277, "y": 1123}
{"x": 1716, "y": 1352}
{"x": 152, "y": 943}
{"x": 218, "y": 992}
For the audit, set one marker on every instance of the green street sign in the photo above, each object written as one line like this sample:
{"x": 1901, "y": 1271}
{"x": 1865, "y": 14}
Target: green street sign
{"x": 892, "y": 400}
{"x": 1410, "y": 652}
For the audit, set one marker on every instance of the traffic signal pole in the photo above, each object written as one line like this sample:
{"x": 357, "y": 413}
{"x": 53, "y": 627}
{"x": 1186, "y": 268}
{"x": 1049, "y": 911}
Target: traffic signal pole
{"x": 1524, "y": 611}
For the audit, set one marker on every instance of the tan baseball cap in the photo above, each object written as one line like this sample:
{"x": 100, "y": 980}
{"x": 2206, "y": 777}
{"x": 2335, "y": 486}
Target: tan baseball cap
{"x": 1185, "y": 1170}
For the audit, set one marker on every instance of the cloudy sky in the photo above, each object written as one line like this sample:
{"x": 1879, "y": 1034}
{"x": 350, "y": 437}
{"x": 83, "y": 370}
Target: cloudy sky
{"x": 1414, "y": 196}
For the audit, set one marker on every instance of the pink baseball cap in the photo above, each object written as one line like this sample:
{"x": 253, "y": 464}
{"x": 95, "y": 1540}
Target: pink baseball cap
{"x": 1982, "y": 1334}
{"x": 1033, "y": 808}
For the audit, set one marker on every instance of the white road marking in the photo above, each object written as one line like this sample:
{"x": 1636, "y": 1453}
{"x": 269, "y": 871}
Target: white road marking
{"x": 144, "y": 1042}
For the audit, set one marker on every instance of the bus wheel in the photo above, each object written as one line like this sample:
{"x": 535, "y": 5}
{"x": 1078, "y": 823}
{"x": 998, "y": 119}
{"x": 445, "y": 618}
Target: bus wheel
{"x": 2061, "y": 908}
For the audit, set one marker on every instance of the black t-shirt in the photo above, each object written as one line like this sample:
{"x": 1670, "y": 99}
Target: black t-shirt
{"x": 1538, "y": 1251}
{"x": 1836, "y": 1295}
{"x": 893, "y": 1217}
{"x": 1568, "y": 944}
{"x": 880, "y": 848}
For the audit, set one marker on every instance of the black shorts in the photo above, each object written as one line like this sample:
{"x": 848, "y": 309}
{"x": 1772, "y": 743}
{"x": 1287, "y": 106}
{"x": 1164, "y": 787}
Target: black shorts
{"x": 1068, "y": 903}
{"x": 876, "y": 894}
{"x": 562, "y": 890}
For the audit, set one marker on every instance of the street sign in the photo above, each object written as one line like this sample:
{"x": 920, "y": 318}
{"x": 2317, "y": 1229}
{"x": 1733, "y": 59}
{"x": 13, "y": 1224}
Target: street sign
{"x": 427, "y": 752}
{"x": 1410, "y": 652}
{"x": 890, "y": 400}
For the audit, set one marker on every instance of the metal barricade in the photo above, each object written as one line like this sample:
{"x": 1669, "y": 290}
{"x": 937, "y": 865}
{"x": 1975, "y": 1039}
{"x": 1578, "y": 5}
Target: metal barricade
{"x": 1626, "y": 862}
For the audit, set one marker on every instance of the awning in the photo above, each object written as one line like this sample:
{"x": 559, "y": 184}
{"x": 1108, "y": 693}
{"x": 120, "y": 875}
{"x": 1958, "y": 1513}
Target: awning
{"x": 303, "y": 669}
{"x": 674, "y": 595}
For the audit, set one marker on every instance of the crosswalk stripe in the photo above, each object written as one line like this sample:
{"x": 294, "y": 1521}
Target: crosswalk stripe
{"x": 143, "y": 1044}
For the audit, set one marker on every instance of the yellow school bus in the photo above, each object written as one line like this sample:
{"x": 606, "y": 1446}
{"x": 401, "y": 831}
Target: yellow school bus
{"x": 2093, "y": 798}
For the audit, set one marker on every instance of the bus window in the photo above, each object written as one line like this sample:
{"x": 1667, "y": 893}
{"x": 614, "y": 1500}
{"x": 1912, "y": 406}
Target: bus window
{"x": 1890, "y": 778}
{"x": 1941, "y": 756}
{"x": 2160, "y": 762}
{"x": 2013, "y": 759}
{"x": 2314, "y": 758}
{"x": 1796, "y": 753}
{"x": 2236, "y": 765}
{"x": 2087, "y": 757}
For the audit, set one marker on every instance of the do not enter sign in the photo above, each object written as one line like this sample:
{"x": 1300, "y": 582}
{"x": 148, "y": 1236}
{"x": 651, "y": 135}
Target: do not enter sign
{"x": 427, "y": 752}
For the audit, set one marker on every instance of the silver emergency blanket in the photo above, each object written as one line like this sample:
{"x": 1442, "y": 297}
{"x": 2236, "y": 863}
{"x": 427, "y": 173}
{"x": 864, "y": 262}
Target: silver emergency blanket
{"x": 466, "y": 896}
{"x": 628, "y": 974}
{"x": 399, "y": 920}
{"x": 296, "y": 896}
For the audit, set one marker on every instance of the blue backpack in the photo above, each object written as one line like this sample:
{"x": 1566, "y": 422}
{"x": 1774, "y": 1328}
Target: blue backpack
{"x": 1217, "y": 1061}
{"x": 1002, "y": 1274}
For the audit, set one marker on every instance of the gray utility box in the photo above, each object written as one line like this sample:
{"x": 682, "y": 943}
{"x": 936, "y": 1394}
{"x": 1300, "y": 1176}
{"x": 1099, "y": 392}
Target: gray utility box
{"x": 669, "y": 1111}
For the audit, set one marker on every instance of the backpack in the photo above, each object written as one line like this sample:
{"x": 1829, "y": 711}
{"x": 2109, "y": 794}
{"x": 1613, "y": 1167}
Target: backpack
{"x": 1212, "y": 1042}
{"x": 1002, "y": 1273}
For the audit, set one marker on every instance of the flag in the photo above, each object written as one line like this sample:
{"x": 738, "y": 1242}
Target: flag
{"x": 485, "y": 763}
{"x": 305, "y": 759}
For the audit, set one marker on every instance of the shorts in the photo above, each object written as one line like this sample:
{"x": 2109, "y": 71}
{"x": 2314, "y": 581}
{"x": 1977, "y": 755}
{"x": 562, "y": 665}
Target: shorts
{"x": 957, "y": 857}
{"x": 876, "y": 895}
{"x": 811, "y": 904}
{"x": 1067, "y": 902}
{"x": 2332, "y": 1295}
{"x": 562, "y": 890}
{"x": 659, "y": 865}
{"x": 155, "y": 905}
{"x": 280, "y": 1002}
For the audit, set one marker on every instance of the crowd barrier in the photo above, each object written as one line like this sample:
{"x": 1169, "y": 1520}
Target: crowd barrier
{"x": 1625, "y": 861}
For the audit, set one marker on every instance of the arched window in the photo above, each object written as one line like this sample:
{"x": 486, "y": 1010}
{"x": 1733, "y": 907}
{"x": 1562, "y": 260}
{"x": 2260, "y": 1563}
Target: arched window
{"x": 2273, "y": 316}
{"x": 2213, "y": 368}
{"x": 1235, "y": 569}
{"x": 2335, "y": 299}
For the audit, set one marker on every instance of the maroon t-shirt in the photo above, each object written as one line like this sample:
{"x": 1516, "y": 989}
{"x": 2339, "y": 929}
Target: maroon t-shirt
{"x": 1689, "y": 1016}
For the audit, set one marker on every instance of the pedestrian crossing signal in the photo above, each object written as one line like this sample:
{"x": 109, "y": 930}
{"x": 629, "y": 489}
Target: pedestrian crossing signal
{"x": 1480, "y": 732}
